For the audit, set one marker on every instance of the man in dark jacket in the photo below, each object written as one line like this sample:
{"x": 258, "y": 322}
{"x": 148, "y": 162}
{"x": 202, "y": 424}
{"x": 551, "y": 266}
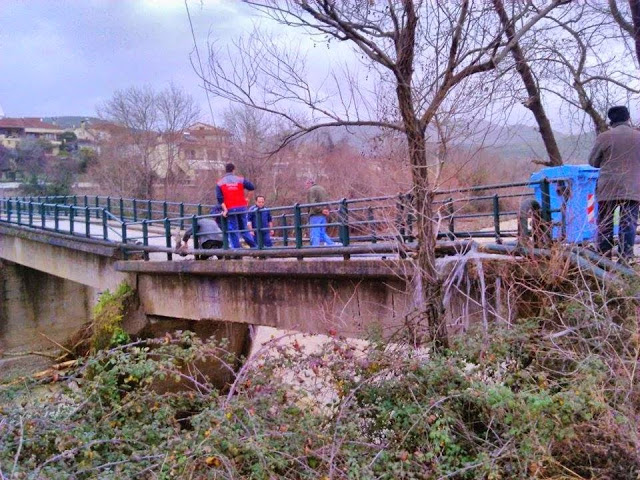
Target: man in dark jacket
{"x": 208, "y": 234}
{"x": 617, "y": 154}
{"x": 230, "y": 192}
{"x": 266, "y": 222}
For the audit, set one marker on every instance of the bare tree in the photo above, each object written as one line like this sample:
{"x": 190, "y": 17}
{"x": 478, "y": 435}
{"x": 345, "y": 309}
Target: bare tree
{"x": 153, "y": 124}
{"x": 578, "y": 56}
{"x": 119, "y": 171}
{"x": 534, "y": 102}
{"x": 177, "y": 110}
{"x": 418, "y": 52}
{"x": 632, "y": 26}
{"x": 635, "y": 16}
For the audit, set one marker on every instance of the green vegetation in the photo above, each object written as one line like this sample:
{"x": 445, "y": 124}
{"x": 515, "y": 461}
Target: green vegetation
{"x": 107, "y": 318}
{"x": 551, "y": 397}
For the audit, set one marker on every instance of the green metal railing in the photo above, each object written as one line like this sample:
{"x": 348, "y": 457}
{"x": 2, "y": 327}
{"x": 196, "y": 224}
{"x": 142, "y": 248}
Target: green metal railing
{"x": 476, "y": 212}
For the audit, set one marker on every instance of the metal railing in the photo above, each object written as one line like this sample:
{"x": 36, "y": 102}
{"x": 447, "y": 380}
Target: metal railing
{"x": 475, "y": 212}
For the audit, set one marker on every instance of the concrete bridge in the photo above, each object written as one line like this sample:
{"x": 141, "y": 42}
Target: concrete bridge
{"x": 50, "y": 281}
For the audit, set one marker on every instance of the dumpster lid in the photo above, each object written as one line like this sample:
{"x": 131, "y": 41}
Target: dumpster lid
{"x": 564, "y": 171}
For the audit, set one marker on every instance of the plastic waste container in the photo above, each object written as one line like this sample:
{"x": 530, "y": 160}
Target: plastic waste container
{"x": 572, "y": 195}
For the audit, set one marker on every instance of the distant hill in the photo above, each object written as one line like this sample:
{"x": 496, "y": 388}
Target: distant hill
{"x": 517, "y": 142}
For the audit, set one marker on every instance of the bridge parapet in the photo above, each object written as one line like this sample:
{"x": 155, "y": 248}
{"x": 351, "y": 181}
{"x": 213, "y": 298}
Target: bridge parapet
{"x": 142, "y": 224}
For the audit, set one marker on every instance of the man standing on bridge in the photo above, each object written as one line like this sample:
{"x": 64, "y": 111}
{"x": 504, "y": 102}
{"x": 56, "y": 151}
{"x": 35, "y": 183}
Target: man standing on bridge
{"x": 230, "y": 192}
{"x": 318, "y": 214}
{"x": 616, "y": 153}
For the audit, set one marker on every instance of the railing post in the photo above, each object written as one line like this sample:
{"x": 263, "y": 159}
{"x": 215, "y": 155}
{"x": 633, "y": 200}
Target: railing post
{"x": 546, "y": 201}
{"x": 496, "y": 218}
{"x": 452, "y": 225}
{"x": 121, "y": 209}
{"x": 181, "y": 215}
{"x": 31, "y": 213}
{"x": 72, "y": 213}
{"x": 225, "y": 228}
{"x": 344, "y": 222}
{"x": 194, "y": 231}
{"x": 109, "y": 204}
{"x": 199, "y": 209}
{"x": 87, "y": 222}
{"x": 56, "y": 220}
{"x": 105, "y": 230}
{"x": 98, "y": 206}
{"x": 149, "y": 212}
{"x": 400, "y": 215}
{"x": 9, "y": 210}
{"x": 285, "y": 231}
{"x": 19, "y": 211}
{"x": 86, "y": 201}
{"x": 258, "y": 229}
{"x": 372, "y": 225}
{"x": 297, "y": 224}
{"x": 145, "y": 238}
{"x": 165, "y": 210}
{"x": 42, "y": 215}
{"x": 167, "y": 236}
{"x": 135, "y": 210}
{"x": 75, "y": 203}
{"x": 125, "y": 253}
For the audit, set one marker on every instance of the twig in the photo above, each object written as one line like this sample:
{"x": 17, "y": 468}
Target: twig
{"x": 17, "y": 456}
{"x": 56, "y": 343}
{"x": 27, "y": 354}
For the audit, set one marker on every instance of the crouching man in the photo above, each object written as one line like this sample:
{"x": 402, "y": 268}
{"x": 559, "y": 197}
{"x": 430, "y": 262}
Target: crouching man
{"x": 209, "y": 237}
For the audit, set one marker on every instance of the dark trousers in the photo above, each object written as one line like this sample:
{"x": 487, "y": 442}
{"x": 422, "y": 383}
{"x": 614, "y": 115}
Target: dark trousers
{"x": 266, "y": 238}
{"x": 207, "y": 245}
{"x": 627, "y": 227}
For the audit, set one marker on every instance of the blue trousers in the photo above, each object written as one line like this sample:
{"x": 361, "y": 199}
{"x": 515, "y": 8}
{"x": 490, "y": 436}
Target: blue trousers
{"x": 319, "y": 231}
{"x": 266, "y": 238}
{"x": 627, "y": 229}
{"x": 237, "y": 220}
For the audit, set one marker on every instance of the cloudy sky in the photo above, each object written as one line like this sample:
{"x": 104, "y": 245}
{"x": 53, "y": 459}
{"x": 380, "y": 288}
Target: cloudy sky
{"x": 65, "y": 57}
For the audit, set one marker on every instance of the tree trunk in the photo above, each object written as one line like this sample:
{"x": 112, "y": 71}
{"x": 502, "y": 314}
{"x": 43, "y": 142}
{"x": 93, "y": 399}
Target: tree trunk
{"x": 635, "y": 16}
{"x": 533, "y": 103}
{"x": 431, "y": 308}
{"x": 431, "y": 313}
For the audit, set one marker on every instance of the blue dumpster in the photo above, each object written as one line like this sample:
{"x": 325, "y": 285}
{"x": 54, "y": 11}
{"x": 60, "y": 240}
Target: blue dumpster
{"x": 572, "y": 192}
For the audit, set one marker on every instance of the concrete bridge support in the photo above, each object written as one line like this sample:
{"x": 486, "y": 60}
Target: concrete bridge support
{"x": 36, "y": 308}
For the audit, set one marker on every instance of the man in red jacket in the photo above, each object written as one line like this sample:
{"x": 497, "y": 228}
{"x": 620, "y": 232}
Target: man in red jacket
{"x": 230, "y": 192}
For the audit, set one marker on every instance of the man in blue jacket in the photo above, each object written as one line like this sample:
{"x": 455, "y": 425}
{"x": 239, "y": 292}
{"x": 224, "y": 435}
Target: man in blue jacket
{"x": 266, "y": 222}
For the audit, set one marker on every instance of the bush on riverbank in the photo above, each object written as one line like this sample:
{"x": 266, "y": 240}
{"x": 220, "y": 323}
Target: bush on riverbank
{"x": 548, "y": 398}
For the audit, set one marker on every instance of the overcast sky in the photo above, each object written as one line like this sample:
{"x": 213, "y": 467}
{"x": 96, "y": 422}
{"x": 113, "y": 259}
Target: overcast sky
{"x": 64, "y": 57}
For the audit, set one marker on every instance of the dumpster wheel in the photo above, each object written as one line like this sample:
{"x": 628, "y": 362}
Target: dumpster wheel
{"x": 532, "y": 230}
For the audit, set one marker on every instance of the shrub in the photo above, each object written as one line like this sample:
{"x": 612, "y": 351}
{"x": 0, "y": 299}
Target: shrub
{"x": 534, "y": 400}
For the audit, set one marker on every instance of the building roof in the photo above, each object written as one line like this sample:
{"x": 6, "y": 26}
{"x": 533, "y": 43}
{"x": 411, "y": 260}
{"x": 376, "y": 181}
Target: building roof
{"x": 27, "y": 122}
{"x": 204, "y": 129}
